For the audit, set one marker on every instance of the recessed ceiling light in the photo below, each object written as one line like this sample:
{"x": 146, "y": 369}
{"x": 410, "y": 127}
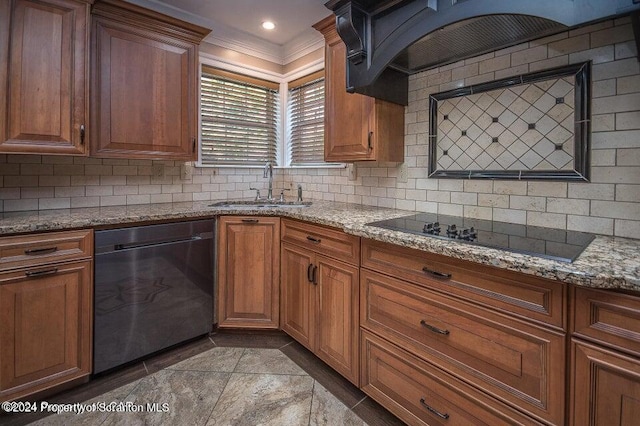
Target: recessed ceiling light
{"x": 268, "y": 25}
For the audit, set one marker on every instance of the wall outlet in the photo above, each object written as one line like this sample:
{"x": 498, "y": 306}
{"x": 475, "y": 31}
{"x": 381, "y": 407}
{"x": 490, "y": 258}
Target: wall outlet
{"x": 157, "y": 170}
{"x": 186, "y": 171}
{"x": 403, "y": 173}
{"x": 353, "y": 172}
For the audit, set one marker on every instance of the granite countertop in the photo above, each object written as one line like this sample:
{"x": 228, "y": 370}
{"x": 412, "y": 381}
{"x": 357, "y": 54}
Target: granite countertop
{"x": 607, "y": 263}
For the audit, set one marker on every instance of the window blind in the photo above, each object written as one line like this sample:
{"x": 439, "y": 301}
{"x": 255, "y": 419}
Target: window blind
{"x": 306, "y": 117}
{"x": 239, "y": 119}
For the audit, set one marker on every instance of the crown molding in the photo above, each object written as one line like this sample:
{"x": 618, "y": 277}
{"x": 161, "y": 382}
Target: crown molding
{"x": 242, "y": 42}
{"x": 302, "y": 45}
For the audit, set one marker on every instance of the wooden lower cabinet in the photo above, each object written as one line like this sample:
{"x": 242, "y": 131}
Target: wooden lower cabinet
{"x": 518, "y": 363}
{"x": 605, "y": 387}
{"x": 319, "y": 307}
{"x": 45, "y": 327}
{"x": 297, "y": 294}
{"x": 421, "y": 394}
{"x": 337, "y": 296}
{"x": 248, "y": 272}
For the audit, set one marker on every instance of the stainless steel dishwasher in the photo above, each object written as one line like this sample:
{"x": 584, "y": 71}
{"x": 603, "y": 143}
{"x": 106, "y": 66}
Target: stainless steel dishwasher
{"x": 153, "y": 289}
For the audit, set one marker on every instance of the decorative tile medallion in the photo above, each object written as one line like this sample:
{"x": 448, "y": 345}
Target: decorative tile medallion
{"x": 531, "y": 126}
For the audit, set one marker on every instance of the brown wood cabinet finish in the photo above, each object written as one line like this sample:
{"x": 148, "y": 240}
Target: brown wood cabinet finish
{"x": 297, "y": 295}
{"x": 46, "y": 311}
{"x": 144, "y": 83}
{"x": 357, "y": 127}
{"x": 528, "y": 297}
{"x": 519, "y": 363}
{"x": 319, "y": 304}
{"x": 44, "y": 77}
{"x": 608, "y": 318}
{"x": 320, "y": 295}
{"x": 605, "y": 387}
{"x": 337, "y": 306}
{"x": 248, "y": 272}
{"x": 328, "y": 241}
{"x": 421, "y": 394}
{"x": 37, "y": 249}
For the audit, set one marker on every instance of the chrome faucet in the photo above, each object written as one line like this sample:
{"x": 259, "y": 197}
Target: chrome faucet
{"x": 268, "y": 172}
{"x": 299, "y": 193}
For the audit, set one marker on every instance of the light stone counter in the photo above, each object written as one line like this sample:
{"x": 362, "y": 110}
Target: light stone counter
{"x": 607, "y": 263}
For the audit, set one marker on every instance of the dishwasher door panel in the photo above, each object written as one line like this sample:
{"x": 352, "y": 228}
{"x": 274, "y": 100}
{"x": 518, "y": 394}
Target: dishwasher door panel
{"x": 150, "y": 296}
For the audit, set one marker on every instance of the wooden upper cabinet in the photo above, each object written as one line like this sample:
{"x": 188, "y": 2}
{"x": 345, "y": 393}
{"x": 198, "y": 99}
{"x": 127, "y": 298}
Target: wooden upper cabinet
{"x": 144, "y": 83}
{"x": 44, "y": 76}
{"x": 356, "y": 127}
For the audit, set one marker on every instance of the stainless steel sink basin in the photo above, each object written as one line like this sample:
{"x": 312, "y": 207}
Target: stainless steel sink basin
{"x": 262, "y": 204}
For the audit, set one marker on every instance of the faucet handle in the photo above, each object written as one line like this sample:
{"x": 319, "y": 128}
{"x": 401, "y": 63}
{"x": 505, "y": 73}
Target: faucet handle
{"x": 282, "y": 194}
{"x": 257, "y": 192}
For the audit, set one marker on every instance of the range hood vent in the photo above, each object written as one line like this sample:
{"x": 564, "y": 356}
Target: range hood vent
{"x": 392, "y": 39}
{"x": 472, "y": 37}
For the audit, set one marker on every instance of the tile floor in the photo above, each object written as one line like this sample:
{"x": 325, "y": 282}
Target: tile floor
{"x": 226, "y": 379}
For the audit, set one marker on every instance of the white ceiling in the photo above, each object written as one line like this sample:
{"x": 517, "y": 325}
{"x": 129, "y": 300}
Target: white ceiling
{"x": 236, "y": 24}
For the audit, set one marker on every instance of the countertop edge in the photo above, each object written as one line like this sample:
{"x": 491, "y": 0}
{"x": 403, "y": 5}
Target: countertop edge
{"x": 579, "y": 273}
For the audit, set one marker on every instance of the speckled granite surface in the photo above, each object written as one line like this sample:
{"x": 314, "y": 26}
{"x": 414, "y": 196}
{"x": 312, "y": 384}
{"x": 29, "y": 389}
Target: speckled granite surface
{"x": 607, "y": 263}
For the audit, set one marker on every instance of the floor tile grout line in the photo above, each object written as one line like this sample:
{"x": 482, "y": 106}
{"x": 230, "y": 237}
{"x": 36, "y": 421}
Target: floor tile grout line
{"x": 144, "y": 364}
{"x": 359, "y": 402}
{"x": 219, "y": 398}
{"x": 313, "y": 392}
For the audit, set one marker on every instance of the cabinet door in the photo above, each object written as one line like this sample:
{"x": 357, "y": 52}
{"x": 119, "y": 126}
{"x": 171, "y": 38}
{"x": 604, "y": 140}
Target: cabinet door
{"x": 45, "y": 327}
{"x": 347, "y": 115}
{"x": 43, "y": 93}
{"x": 143, "y": 102}
{"x": 605, "y": 387}
{"x": 248, "y": 272}
{"x": 337, "y": 312}
{"x": 298, "y": 294}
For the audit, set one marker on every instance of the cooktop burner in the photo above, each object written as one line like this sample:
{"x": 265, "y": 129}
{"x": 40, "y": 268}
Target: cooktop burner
{"x": 549, "y": 243}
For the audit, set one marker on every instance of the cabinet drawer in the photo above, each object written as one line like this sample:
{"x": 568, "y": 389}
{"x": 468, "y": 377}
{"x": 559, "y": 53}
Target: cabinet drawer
{"x": 607, "y": 317}
{"x": 38, "y": 249}
{"x": 521, "y": 364}
{"x": 328, "y": 241}
{"x": 529, "y": 297}
{"x": 421, "y": 394}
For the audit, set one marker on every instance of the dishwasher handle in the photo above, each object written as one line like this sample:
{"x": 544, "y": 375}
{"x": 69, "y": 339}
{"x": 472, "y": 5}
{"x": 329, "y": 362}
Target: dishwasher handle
{"x": 129, "y": 246}
{"x": 155, "y": 243}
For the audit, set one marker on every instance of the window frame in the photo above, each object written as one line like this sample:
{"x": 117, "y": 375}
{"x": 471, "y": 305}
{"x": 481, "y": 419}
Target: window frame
{"x": 246, "y": 95}
{"x": 283, "y": 160}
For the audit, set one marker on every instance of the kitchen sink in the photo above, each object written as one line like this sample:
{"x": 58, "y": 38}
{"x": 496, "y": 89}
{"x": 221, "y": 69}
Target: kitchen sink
{"x": 260, "y": 204}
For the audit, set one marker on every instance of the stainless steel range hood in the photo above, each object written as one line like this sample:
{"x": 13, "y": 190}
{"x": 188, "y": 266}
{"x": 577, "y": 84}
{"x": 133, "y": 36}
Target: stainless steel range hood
{"x": 387, "y": 40}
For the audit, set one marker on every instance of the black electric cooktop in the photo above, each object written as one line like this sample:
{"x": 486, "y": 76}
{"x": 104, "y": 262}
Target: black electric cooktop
{"x": 549, "y": 243}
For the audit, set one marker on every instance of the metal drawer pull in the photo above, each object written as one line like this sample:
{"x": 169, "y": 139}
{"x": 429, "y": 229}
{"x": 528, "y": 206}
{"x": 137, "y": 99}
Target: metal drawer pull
{"x": 433, "y": 410}
{"x": 32, "y": 274}
{"x": 434, "y": 329}
{"x": 314, "y": 275}
{"x": 250, "y": 220}
{"x": 39, "y": 251}
{"x": 309, "y": 276}
{"x": 313, "y": 240}
{"x": 436, "y": 273}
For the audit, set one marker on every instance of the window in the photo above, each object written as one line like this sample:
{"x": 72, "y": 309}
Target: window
{"x": 306, "y": 117}
{"x": 239, "y": 119}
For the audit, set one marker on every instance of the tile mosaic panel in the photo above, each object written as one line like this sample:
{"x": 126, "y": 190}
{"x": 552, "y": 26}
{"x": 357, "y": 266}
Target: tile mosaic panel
{"x": 529, "y": 126}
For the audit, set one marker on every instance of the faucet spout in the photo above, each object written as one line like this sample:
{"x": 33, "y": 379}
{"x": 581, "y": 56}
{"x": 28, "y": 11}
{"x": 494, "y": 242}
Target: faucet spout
{"x": 268, "y": 173}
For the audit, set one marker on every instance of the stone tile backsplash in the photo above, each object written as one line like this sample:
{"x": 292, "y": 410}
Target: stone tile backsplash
{"x": 609, "y": 204}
